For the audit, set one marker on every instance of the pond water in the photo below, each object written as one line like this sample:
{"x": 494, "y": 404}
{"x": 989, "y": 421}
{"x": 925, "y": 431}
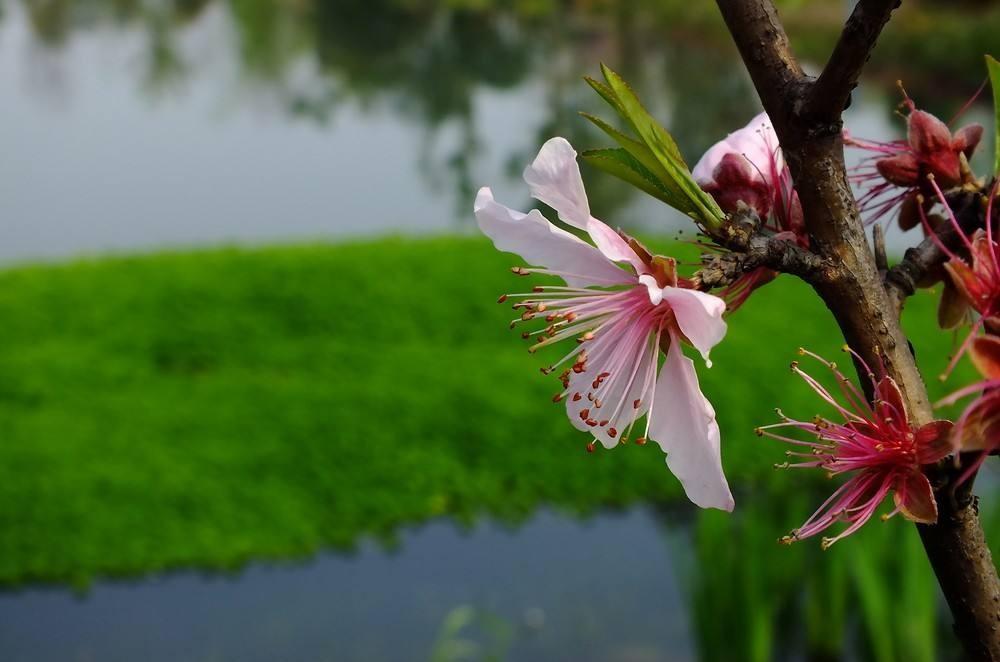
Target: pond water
{"x": 606, "y": 588}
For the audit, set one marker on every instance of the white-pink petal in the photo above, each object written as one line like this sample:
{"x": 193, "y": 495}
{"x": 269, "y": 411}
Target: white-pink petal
{"x": 757, "y": 141}
{"x": 653, "y": 288}
{"x": 699, "y": 316}
{"x": 611, "y": 244}
{"x": 543, "y": 244}
{"x": 554, "y": 178}
{"x": 704, "y": 170}
{"x": 682, "y": 422}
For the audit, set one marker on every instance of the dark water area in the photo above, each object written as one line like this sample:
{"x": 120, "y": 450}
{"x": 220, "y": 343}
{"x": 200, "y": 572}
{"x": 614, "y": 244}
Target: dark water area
{"x": 555, "y": 588}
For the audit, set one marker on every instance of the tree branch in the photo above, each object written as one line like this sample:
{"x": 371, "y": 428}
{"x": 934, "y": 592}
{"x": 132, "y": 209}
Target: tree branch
{"x": 765, "y": 50}
{"x": 959, "y": 555}
{"x": 831, "y": 93}
{"x": 902, "y": 279}
{"x": 747, "y": 249}
{"x": 778, "y": 255}
{"x": 812, "y": 145}
{"x": 813, "y": 148}
{"x": 878, "y": 247}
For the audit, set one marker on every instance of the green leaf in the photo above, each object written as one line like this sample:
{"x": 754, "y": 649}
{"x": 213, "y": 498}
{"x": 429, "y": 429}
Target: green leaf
{"x": 620, "y": 163}
{"x": 702, "y": 207}
{"x": 645, "y": 126}
{"x": 636, "y": 148}
{"x": 606, "y": 93}
{"x": 677, "y": 196}
{"x": 994, "y": 70}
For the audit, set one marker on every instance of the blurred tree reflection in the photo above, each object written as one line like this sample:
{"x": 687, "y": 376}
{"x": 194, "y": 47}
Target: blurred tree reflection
{"x": 428, "y": 59}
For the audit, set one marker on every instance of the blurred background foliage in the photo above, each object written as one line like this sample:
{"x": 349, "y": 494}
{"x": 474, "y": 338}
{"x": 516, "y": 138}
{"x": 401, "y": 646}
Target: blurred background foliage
{"x": 201, "y": 409}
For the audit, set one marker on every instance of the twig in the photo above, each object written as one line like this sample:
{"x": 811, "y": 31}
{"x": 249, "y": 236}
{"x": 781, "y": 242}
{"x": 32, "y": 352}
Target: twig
{"x": 902, "y": 279}
{"x": 878, "y": 247}
{"x": 831, "y": 93}
{"x": 779, "y": 255}
{"x": 746, "y": 249}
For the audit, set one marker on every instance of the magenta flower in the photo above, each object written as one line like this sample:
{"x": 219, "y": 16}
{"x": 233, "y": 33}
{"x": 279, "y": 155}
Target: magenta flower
{"x": 970, "y": 284}
{"x": 747, "y": 166}
{"x": 896, "y": 173}
{"x": 875, "y": 444}
{"x": 621, "y": 305}
{"x": 978, "y": 428}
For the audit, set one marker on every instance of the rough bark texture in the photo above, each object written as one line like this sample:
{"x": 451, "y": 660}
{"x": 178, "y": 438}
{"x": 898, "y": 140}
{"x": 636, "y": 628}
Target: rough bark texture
{"x": 958, "y": 553}
{"x": 832, "y": 91}
{"x": 806, "y": 115}
{"x": 749, "y": 249}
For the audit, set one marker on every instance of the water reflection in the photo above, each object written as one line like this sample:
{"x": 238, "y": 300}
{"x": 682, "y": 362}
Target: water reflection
{"x": 557, "y": 588}
{"x": 134, "y": 125}
{"x": 635, "y": 585}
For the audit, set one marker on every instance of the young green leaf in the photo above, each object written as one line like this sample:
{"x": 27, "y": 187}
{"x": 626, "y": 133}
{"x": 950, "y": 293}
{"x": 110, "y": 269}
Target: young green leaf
{"x": 645, "y": 126}
{"x": 676, "y": 175}
{"x": 993, "y": 67}
{"x": 620, "y": 163}
{"x": 606, "y": 93}
{"x": 652, "y": 166}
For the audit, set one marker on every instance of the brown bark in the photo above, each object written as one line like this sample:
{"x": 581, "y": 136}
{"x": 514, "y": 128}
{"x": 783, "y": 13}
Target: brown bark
{"x": 749, "y": 249}
{"x": 960, "y": 557}
{"x": 806, "y": 115}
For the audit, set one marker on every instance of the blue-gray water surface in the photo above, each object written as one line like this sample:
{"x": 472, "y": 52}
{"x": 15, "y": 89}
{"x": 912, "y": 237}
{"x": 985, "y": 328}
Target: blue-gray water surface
{"x": 553, "y": 589}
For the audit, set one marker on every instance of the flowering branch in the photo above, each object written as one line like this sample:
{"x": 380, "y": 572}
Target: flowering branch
{"x": 814, "y": 151}
{"x": 760, "y": 251}
{"x": 806, "y": 116}
{"x": 902, "y": 279}
{"x": 749, "y": 249}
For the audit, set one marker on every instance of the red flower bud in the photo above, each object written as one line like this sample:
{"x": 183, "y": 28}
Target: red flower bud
{"x": 930, "y": 149}
{"x": 901, "y": 170}
{"x": 931, "y": 141}
{"x": 967, "y": 139}
{"x": 735, "y": 179}
{"x": 926, "y": 133}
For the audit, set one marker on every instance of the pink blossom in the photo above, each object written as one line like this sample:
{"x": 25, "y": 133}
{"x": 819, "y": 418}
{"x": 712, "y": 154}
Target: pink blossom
{"x": 757, "y": 146}
{"x": 896, "y": 173}
{"x": 875, "y": 444}
{"x": 748, "y": 166}
{"x": 621, "y": 305}
{"x": 978, "y": 428}
{"x": 972, "y": 283}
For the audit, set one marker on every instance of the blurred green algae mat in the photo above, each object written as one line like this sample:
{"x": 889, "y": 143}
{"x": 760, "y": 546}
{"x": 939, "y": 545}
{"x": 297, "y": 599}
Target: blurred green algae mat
{"x": 201, "y": 409}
